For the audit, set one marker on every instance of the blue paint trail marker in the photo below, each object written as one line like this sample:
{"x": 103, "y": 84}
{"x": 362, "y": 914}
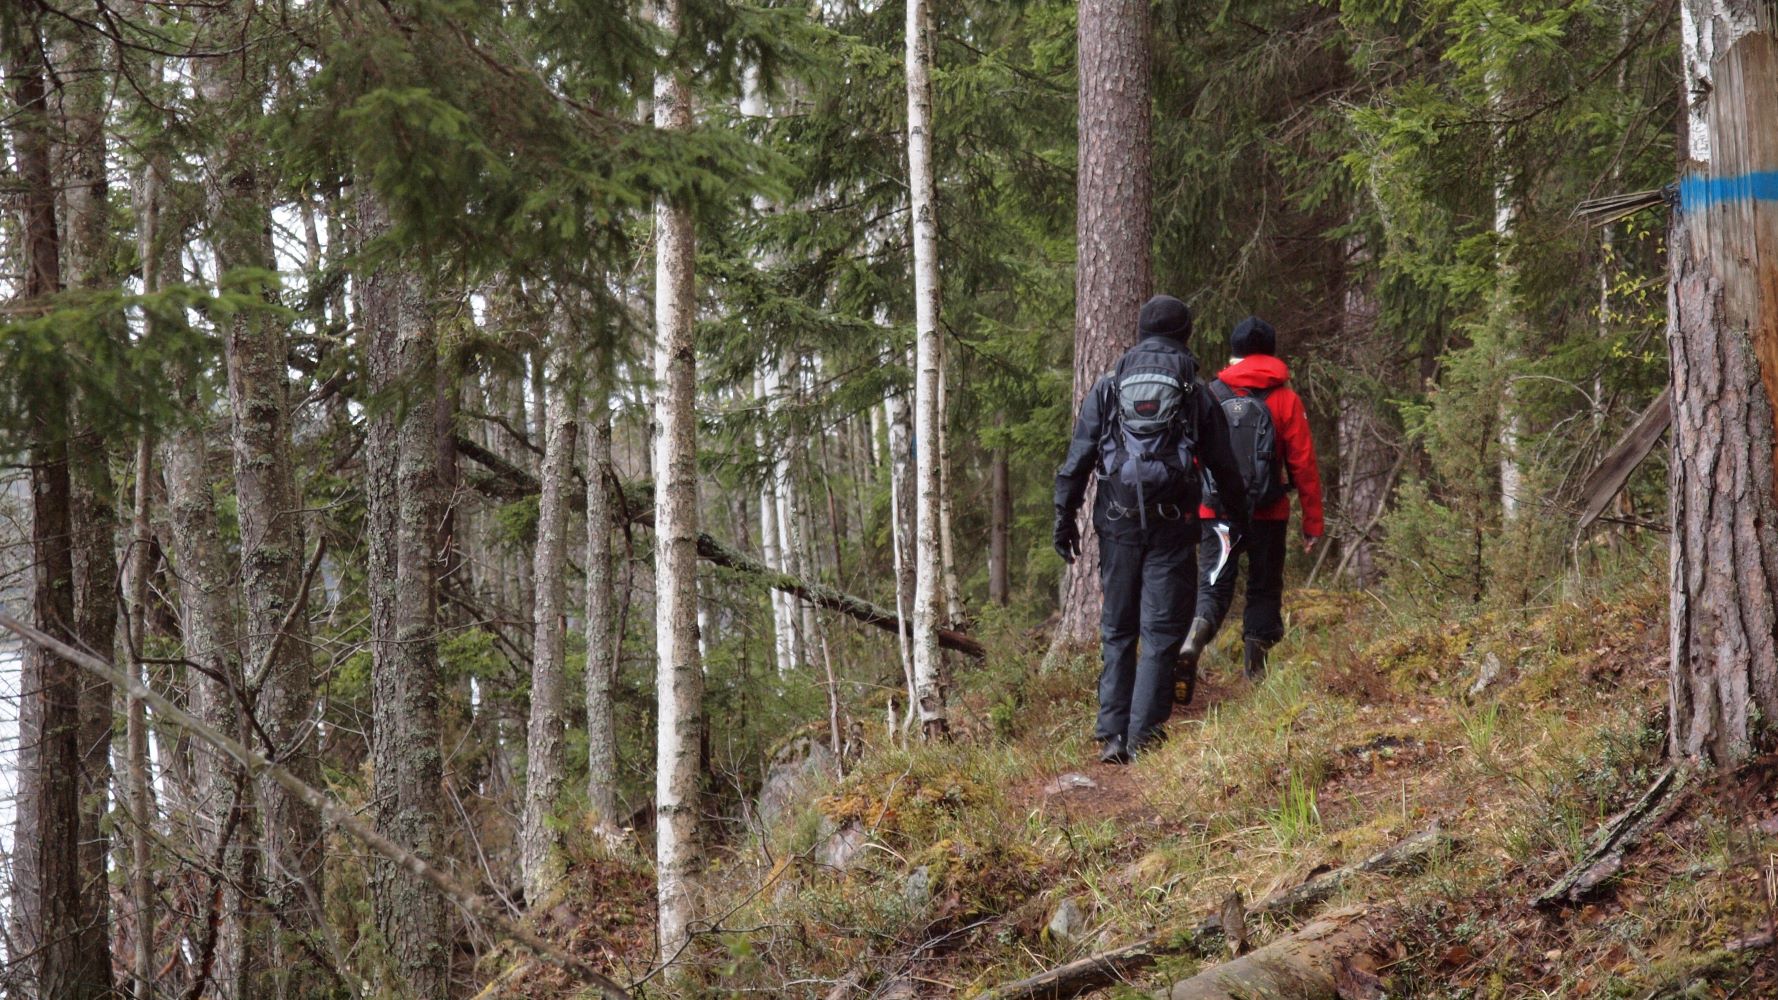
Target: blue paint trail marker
{"x": 1702, "y": 192}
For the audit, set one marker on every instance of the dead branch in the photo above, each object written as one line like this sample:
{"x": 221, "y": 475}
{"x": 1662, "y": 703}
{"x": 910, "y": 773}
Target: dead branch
{"x": 1613, "y": 471}
{"x": 1605, "y": 856}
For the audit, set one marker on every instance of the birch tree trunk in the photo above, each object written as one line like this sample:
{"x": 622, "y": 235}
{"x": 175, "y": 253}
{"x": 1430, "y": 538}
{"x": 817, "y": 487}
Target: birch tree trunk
{"x": 1114, "y": 232}
{"x": 901, "y": 531}
{"x": 546, "y": 758}
{"x": 1508, "y": 328}
{"x": 47, "y": 879}
{"x": 602, "y": 639}
{"x": 406, "y": 506}
{"x": 1722, "y": 337}
{"x": 929, "y": 679}
{"x": 679, "y": 679}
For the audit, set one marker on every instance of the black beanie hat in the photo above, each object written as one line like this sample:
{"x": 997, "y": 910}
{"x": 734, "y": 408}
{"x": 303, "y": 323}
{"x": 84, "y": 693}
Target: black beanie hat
{"x": 1253, "y": 336}
{"x": 1165, "y": 316}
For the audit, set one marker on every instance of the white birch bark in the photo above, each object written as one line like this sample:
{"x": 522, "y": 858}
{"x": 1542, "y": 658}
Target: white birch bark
{"x": 540, "y": 841}
{"x": 929, "y": 681}
{"x": 679, "y": 680}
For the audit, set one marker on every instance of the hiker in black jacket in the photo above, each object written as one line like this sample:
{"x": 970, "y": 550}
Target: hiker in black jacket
{"x": 1146, "y": 432}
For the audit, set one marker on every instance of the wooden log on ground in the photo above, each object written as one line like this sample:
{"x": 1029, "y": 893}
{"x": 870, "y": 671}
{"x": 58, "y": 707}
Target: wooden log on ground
{"x": 1097, "y": 972}
{"x": 1605, "y": 856}
{"x": 1306, "y": 965}
{"x": 509, "y": 482}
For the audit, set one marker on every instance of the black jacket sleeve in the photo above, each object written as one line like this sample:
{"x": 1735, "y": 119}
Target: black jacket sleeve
{"x": 1083, "y": 450}
{"x": 1219, "y": 458}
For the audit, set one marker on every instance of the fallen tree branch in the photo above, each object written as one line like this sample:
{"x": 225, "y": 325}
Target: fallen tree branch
{"x": 510, "y": 482}
{"x": 1613, "y": 471}
{"x": 1108, "y": 968}
{"x": 1605, "y": 856}
{"x": 332, "y": 812}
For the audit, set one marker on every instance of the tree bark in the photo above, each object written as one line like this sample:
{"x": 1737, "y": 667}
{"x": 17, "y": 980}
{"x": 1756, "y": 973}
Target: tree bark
{"x": 1364, "y": 434}
{"x": 1114, "y": 233}
{"x": 1722, "y": 338}
{"x": 999, "y": 524}
{"x": 901, "y": 531}
{"x": 406, "y": 507}
{"x": 679, "y": 679}
{"x": 48, "y": 880}
{"x": 140, "y": 784}
{"x": 602, "y": 639}
{"x": 546, "y": 759}
{"x": 87, "y": 251}
{"x": 929, "y": 673}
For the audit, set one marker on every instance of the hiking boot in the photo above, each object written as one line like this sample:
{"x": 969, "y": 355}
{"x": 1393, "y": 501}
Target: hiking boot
{"x": 1114, "y": 752}
{"x": 1254, "y": 665}
{"x": 1185, "y": 671}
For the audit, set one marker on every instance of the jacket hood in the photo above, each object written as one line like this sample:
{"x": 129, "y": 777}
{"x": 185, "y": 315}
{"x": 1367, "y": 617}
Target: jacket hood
{"x": 1260, "y": 371}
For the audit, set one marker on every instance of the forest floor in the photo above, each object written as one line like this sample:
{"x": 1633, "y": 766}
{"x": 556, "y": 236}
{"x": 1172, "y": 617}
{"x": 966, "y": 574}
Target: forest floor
{"x": 939, "y": 871}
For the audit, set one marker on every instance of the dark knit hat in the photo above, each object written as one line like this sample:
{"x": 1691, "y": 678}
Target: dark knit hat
{"x": 1253, "y": 336}
{"x": 1165, "y": 316}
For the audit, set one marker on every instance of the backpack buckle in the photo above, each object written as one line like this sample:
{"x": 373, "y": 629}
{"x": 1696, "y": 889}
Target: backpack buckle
{"x": 1162, "y": 510}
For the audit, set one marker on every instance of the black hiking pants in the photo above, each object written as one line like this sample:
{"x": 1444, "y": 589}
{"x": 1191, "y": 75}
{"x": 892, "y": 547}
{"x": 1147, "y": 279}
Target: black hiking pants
{"x": 1148, "y": 576}
{"x": 1264, "y": 555}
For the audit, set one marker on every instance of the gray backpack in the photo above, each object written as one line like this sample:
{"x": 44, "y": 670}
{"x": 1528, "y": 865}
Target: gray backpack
{"x": 1146, "y": 452}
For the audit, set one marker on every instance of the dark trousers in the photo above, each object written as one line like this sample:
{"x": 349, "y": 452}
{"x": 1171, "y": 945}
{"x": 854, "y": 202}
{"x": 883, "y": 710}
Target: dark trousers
{"x": 1148, "y": 581}
{"x": 1264, "y": 554}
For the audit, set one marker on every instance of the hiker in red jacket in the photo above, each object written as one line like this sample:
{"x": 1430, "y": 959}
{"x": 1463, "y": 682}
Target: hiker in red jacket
{"x": 1277, "y": 455}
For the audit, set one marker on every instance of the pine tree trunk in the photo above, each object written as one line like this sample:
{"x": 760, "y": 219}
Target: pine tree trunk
{"x": 1723, "y": 341}
{"x": 929, "y": 679}
{"x": 87, "y": 250}
{"x": 269, "y": 504}
{"x": 47, "y": 880}
{"x": 406, "y": 506}
{"x": 1114, "y": 233}
{"x": 679, "y": 679}
{"x": 546, "y": 758}
{"x": 602, "y": 640}
{"x": 1365, "y": 462}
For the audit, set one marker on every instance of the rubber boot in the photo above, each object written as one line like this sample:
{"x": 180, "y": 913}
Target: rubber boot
{"x": 1255, "y": 661}
{"x": 1185, "y": 672}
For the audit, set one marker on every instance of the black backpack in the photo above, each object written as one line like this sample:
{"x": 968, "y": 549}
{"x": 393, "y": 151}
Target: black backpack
{"x": 1254, "y": 440}
{"x": 1146, "y": 451}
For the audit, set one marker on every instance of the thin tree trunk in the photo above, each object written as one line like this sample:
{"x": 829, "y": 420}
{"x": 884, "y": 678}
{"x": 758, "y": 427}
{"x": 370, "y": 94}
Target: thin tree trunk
{"x": 406, "y": 506}
{"x": 141, "y": 803}
{"x": 901, "y": 532}
{"x": 953, "y": 592}
{"x": 546, "y": 759}
{"x": 1723, "y": 341}
{"x": 679, "y": 679}
{"x": 602, "y": 638}
{"x": 1364, "y": 459}
{"x": 929, "y": 679}
{"x": 1000, "y": 524}
{"x": 1114, "y": 232}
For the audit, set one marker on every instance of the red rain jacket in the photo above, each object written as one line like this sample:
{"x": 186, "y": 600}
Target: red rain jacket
{"x": 1262, "y": 371}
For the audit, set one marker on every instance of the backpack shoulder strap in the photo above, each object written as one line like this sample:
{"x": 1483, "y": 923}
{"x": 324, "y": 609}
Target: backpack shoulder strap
{"x": 1221, "y": 390}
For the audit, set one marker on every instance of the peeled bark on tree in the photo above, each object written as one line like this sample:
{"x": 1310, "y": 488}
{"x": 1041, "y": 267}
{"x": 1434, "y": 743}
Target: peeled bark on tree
{"x": 1722, "y": 338}
{"x": 929, "y": 679}
{"x": 231, "y": 89}
{"x": 602, "y": 640}
{"x": 406, "y": 506}
{"x": 47, "y": 880}
{"x": 1114, "y": 230}
{"x": 546, "y": 757}
{"x": 679, "y": 681}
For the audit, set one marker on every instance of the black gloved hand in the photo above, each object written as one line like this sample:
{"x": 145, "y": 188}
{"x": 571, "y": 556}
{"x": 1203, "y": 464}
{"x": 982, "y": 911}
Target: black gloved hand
{"x": 1067, "y": 536}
